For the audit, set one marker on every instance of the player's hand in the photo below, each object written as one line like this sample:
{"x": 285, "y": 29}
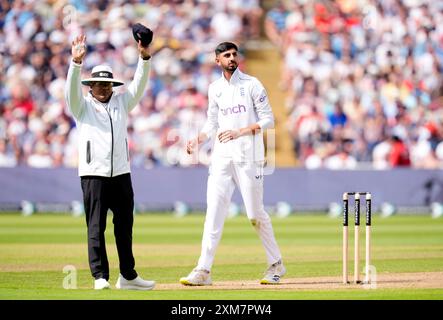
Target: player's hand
{"x": 228, "y": 135}
{"x": 145, "y": 52}
{"x": 78, "y": 48}
{"x": 190, "y": 146}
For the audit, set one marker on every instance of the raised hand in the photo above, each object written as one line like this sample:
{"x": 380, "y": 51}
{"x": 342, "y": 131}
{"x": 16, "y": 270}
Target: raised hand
{"x": 145, "y": 52}
{"x": 78, "y": 48}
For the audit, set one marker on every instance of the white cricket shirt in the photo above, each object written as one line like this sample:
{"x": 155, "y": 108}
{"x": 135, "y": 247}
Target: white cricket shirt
{"x": 233, "y": 105}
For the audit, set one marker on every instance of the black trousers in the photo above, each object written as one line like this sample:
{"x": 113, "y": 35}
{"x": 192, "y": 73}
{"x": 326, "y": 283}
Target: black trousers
{"x": 99, "y": 195}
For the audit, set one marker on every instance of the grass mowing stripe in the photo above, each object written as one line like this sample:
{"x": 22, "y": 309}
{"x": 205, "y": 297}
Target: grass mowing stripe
{"x": 35, "y": 249}
{"x": 84, "y": 294}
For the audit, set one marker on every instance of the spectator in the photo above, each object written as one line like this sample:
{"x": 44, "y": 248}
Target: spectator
{"x": 250, "y": 13}
{"x": 380, "y": 155}
{"x": 337, "y": 117}
{"x": 7, "y": 158}
{"x": 342, "y": 158}
{"x": 275, "y": 23}
{"x": 399, "y": 154}
{"x": 40, "y": 156}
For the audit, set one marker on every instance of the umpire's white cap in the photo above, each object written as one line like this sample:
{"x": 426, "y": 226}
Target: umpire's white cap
{"x": 102, "y": 73}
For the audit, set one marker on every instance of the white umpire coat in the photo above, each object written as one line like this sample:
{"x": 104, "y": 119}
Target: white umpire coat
{"x": 103, "y": 139}
{"x": 233, "y": 105}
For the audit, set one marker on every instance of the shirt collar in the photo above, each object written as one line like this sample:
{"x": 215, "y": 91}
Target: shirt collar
{"x": 235, "y": 76}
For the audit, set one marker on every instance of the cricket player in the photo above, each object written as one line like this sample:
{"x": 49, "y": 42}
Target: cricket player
{"x": 238, "y": 113}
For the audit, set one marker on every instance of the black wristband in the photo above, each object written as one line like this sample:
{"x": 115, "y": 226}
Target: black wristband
{"x": 147, "y": 58}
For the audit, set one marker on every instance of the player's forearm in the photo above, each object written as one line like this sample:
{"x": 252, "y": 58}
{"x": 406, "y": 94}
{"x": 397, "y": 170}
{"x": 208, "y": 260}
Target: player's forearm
{"x": 73, "y": 91}
{"x": 250, "y": 130}
{"x": 137, "y": 87}
{"x": 202, "y": 137}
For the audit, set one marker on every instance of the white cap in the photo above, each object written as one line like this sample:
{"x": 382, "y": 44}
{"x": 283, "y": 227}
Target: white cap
{"x": 102, "y": 73}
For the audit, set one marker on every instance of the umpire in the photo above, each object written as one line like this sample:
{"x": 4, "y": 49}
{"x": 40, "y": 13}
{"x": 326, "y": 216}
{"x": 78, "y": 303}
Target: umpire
{"x": 104, "y": 168}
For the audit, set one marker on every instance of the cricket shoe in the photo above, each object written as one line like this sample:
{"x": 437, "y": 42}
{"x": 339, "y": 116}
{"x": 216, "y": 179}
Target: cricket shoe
{"x": 100, "y": 284}
{"x": 134, "y": 284}
{"x": 198, "y": 277}
{"x": 274, "y": 273}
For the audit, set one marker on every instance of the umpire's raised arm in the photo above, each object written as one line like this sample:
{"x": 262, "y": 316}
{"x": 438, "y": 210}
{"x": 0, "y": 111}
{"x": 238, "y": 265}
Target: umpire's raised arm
{"x": 73, "y": 91}
{"x": 138, "y": 85}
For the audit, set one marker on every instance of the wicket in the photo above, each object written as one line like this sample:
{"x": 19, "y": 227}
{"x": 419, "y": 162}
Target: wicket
{"x": 356, "y": 234}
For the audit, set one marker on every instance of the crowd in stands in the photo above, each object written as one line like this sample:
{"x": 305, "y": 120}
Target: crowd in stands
{"x": 363, "y": 77}
{"x": 36, "y": 128}
{"x": 364, "y": 81}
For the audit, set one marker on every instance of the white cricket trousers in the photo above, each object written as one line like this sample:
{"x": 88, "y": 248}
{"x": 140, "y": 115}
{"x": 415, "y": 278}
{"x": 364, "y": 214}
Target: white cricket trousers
{"x": 224, "y": 175}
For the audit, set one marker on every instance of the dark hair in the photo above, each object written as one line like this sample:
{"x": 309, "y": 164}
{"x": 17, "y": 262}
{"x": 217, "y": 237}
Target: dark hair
{"x": 225, "y": 46}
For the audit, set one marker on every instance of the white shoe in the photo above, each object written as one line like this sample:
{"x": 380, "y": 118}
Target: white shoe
{"x": 135, "y": 284}
{"x": 198, "y": 277}
{"x": 100, "y": 284}
{"x": 274, "y": 273}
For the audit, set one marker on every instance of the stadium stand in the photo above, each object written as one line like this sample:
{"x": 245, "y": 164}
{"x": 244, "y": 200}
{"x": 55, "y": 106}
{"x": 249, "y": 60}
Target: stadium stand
{"x": 363, "y": 80}
{"x": 35, "y": 128}
{"x": 360, "y": 80}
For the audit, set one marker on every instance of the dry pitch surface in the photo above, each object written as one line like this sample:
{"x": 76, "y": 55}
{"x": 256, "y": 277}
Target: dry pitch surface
{"x": 419, "y": 280}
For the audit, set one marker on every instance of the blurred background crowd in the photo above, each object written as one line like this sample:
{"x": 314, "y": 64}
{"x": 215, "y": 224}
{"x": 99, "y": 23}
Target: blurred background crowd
{"x": 363, "y": 78}
{"x": 364, "y": 81}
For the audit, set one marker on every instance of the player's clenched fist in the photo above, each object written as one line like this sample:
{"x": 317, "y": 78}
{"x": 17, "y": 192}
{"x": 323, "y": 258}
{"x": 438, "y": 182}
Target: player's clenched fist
{"x": 78, "y": 50}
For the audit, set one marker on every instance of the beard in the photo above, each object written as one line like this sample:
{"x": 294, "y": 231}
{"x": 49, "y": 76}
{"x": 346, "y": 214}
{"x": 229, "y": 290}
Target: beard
{"x": 231, "y": 67}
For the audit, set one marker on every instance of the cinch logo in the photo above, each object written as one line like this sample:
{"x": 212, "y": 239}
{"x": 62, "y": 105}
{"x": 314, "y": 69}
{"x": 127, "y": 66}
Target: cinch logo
{"x": 238, "y": 109}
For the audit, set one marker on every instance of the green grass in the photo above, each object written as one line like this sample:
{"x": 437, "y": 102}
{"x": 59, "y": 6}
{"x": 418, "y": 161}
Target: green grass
{"x": 84, "y": 294}
{"x": 35, "y": 249}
